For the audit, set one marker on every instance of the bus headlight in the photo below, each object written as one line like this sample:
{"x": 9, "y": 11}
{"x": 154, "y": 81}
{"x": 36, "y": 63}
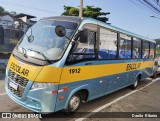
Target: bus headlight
{"x": 6, "y": 71}
{"x": 41, "y": 85}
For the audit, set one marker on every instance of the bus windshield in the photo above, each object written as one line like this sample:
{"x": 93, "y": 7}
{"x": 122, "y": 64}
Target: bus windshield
{"x": 46, "y": 45}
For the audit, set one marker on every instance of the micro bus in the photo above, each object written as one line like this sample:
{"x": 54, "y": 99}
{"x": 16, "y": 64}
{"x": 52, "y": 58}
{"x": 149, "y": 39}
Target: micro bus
{"x": 61, "y": 62}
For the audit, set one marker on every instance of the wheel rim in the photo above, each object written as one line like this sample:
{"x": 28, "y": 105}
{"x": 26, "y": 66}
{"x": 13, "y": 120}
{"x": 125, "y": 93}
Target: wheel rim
{"x": 74, "y": 103}
{"x": 135, "y": 83}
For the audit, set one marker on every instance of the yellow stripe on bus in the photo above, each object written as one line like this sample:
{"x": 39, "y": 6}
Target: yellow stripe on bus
{"x": 72, "y": 73}
{"x": 95, "y": 71}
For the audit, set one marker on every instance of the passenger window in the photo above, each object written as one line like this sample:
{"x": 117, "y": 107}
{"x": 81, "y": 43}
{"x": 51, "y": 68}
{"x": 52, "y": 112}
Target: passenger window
{"x": 108, "y": 44}
{"x": 125, "y": 46}
{"x": 136, "y": 52}
{"x": 86, "y": 45}
{"x": 145, "y": 51}
{"x": 84, "y": 48}
{"x": 151, "y": 50}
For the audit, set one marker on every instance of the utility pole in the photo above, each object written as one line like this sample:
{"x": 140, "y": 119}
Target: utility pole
{"x": 81, "y": 9}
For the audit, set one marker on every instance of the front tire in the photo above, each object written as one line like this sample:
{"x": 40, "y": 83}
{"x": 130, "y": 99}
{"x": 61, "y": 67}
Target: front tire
{"x": 74, "y": 103}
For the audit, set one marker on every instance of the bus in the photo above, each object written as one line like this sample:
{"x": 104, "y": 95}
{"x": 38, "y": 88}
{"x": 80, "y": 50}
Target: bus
{"x": 62, "y": 62}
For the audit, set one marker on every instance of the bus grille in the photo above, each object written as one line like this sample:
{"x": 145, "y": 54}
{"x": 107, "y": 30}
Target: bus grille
{"x": 21, "y": 81}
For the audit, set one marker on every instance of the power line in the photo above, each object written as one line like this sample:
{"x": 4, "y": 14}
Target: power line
{"x": 29, "y": 7}
{"x": 149, "y": 7}
{"x": 153, "y": 6}
{"x": 141, "y": 6}
{"x": 142, "y": 2}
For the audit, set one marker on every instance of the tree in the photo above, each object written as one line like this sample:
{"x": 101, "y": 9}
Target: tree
{"x": 2, "y": 10}
{"x": 70, "y": 11}
{"x": 88, "y": 11}
{"x": 157, "y": 47}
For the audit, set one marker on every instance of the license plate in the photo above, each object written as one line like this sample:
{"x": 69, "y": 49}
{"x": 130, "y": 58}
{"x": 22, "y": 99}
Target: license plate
{"x": 13, "y": 84}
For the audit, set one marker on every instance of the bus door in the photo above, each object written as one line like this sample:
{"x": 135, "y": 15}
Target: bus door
{"x": 82, "y": 66}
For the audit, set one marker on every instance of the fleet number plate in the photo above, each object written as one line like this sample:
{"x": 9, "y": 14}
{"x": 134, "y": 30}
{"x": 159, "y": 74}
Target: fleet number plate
{"x": 13, "y": 84}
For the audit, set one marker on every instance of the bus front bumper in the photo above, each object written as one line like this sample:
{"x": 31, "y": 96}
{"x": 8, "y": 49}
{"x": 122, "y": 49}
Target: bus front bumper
{"x": 38, "y": 100}
{"x": 29, "y": 103}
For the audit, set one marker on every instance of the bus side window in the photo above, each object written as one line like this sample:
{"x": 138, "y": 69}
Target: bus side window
{"x": 151, "y": 50}
{"x": 145, "y": 51}
{"x": 125, "y": 47}
{"x": 108, "y": 44}
{"x": 136, "y": 48}
{"x": 84, "y": 48}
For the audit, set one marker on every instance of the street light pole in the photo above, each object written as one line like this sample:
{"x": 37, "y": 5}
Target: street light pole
{"x": 81, "y": 9}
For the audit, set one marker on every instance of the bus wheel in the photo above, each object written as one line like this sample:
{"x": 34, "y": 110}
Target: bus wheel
{"x": 74, "y": 103}
{"x": 135, "y": 84}
{"x": 154, "y": 75}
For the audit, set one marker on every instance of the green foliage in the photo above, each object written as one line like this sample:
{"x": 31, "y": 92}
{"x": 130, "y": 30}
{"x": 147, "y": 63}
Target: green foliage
{"x": 158, "y": 47}
{"x": 88, "y": 11}
{"x": 158, "y": 51}
{"x": 157, "y": 41}
{"x": 2, "y": 10}
{"x": 70, "y": 11}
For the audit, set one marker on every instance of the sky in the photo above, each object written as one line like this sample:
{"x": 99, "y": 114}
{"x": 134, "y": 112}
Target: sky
{"x": 124, "y": 14}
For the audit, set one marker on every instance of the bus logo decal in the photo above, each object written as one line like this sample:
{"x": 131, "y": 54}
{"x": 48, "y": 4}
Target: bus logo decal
{"x": 133, "y": 66}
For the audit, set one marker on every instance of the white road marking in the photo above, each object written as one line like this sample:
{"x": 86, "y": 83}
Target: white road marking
{"x": 114, "y": 101}
{"x": 1, "y": 94}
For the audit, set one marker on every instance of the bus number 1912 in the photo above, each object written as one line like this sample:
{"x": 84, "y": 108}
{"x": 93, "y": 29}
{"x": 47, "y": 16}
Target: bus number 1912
{"x": 73, "y": 71}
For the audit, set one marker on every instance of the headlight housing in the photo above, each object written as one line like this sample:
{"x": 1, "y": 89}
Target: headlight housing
{"x": 41, "y": 85}
{"x": 6, "y": 71}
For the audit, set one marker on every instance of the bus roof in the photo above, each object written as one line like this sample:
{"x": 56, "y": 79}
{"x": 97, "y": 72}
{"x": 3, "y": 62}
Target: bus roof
{"x": 94, "y": 21}
{"x": 65, "y": 18}
{"x": 90, "y": 20}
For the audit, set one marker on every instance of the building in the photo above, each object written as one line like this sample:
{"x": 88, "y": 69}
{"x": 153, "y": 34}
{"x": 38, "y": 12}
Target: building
{"x": 25, "y": 20}
{"x": 12, "y": 28}
{"x": 6, "y": 19}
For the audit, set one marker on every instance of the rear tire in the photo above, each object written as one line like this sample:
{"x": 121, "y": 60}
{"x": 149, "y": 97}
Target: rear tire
{"x": 135, "y": 84}
{"x": 154, "y": 75}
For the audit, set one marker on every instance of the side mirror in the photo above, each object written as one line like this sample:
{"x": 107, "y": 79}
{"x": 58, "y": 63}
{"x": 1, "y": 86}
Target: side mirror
{"x": 30, "y": 38}
{"x": 60, "y": 31}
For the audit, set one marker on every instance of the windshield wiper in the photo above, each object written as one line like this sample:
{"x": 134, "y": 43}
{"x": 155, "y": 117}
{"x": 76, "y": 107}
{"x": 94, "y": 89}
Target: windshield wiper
{"x": 49, "y": 61}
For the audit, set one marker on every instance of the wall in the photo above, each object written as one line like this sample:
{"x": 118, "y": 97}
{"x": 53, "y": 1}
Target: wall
{"x": 3, "y": 64}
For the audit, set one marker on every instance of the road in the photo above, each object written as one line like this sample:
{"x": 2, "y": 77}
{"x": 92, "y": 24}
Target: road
{"x": 145, "y": 98}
